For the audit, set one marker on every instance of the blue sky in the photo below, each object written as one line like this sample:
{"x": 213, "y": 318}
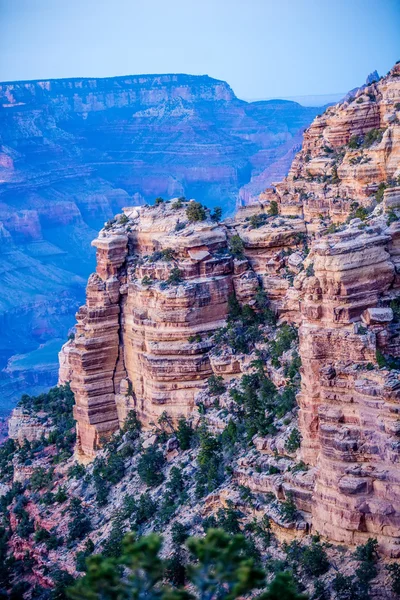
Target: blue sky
{"x": 263, "y": 48}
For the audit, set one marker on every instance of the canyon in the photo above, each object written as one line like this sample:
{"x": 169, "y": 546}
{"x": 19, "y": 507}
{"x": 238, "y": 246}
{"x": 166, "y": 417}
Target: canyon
{"x": 240, "y": 373}
{"x": 323, "y": 245}
{"x": 73, "y": 152}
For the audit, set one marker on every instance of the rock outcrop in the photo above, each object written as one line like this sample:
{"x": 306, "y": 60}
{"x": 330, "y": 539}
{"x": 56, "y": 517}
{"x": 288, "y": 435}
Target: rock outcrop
{"x": 324, "y": 246}
{"x": 73, "y": 152}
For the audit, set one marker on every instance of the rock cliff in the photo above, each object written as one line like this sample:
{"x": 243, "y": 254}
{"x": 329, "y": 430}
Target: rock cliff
{"x": 73, "y": 152}
{"x": 324, "y": 246}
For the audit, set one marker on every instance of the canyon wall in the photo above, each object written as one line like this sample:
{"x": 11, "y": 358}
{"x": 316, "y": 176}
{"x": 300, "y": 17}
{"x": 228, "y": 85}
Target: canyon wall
{"x": 324, "y": 245}
{"x": 73, "y": 152}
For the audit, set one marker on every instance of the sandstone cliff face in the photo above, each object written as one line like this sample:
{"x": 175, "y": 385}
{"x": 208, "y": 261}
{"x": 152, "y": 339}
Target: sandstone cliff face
{"x": 161, "y": 287}
{"x": 347, "y": 153}
{"x": 73, "y": 152}
{"x": 138, "y": 322}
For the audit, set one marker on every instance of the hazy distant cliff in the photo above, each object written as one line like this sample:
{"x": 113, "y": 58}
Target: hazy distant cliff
{"x": 74, "y": 151}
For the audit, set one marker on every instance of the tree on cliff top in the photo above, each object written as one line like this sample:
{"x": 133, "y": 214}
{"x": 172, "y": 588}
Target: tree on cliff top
{"x": 195, "y": 212}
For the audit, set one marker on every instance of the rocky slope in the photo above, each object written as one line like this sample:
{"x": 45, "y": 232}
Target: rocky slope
{"x": 73, "y": 152}
{"x": 134, "y": 332}
{"x": 209, "y": 332}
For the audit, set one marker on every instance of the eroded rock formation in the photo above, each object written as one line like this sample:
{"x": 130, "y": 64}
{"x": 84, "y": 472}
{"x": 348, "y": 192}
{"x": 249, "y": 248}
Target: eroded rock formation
{"x": 162, "y": 285}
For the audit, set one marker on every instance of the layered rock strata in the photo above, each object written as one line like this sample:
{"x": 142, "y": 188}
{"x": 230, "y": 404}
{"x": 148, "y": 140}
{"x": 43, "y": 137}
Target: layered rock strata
{"x": 162, "y": 286}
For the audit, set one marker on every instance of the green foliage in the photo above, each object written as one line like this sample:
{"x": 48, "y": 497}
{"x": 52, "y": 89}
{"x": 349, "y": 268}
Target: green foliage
{"x": 228, "y": 519}
{"x": 195, "y": 339}
{"x": 174, "y": 496}
{"x": 216, "y": 215}
{"x": 310, "y": 270}
{"x": 394, "y": 569}
{"x": 175, "y": 276}
{"x": 167, "y": 254}
{"x": 236, "y": 246}
{"x": 123, "y": 219}
{"x": 132, "y": 427}
{"x": 368, "y": 551}
{"x": 82, "y": 555}
{"x": 146, "y": 509}
{"x": 216, "y": 385}
{"x": 107, "y": 472}
{"x": 195, "y": 212}
{"x": 184, "y": 434}
{"x": 258, "y": 220}
{"x": 392, "y": 217}
{"x": 26, "y": 525}
{"x": 273, "y": 208}
{"x": 243, "y": 330}
{"x": 374, "y": 136}
{"x": 314, "y": 560}
{"x": 380, "y": 191}
{"x": 345, "y": 588}
{"x": 159, "y": 201}
{"x": 210, "y": 469}
{"x": 7, "y": 450}
{"x": 229, "y": 435}
{"x": 41, "y": 478}
{"x": 57, "y": 405}
{"x": 150, "y": 467}
{"x": 77, "y": 471}
{"x": 320, "y": 591}
{"x": 355, "y": 142}
{"x": 79, "y": 524}
{"x": 380, "y": 359}
{"x": 113, "y": 544}
{"x": 256, "y": 396}
{"x": 286, "y": 335}
{"x": 288, "y": 509}
{"x": 180, "y": 225}
{"x": 177, "y": 204}
{"x": 220, "y": 568}
{"x": 146, "y": 280}
{"x": 293, "y": 442}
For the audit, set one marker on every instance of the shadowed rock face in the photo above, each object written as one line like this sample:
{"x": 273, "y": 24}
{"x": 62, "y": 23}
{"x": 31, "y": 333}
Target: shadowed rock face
{"x": 339, "y": 284}
{"x": 73, "y": 152}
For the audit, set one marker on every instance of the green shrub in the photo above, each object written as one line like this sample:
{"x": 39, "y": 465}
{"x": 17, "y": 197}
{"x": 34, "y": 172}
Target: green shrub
{"x": 355, "y": 142}
{"x": 146, "y": 509}
{"x": 236, "y": 246}
{"x": 293, "y": 442}
{"x": 380, "y": 359}
{"x": 258, "y": 220}
{"x": 288, "y": 509}
{"x": 394, "y": 568}
{"x": 123, "y": 219}
{"x": 374, "y": 136}
{"x": 159, "y": 201}
{"x": 195, "y": 212}
{"x": 392, "y": 217}
{"x": 380, "y": 192}
{"x": 184, "y": 434}
{"x": 175, "y": 276}
{"x": 210, "y": 469}
{"x": 216, "y": 385}
{"x": 314, "y": 560}
{"x": 216, "y": 215}
{"x": 41, "y": 478}
{"x": 79, "y": 524}
{"x": 150, "y": 467}
{"x": 273, "y": 210}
